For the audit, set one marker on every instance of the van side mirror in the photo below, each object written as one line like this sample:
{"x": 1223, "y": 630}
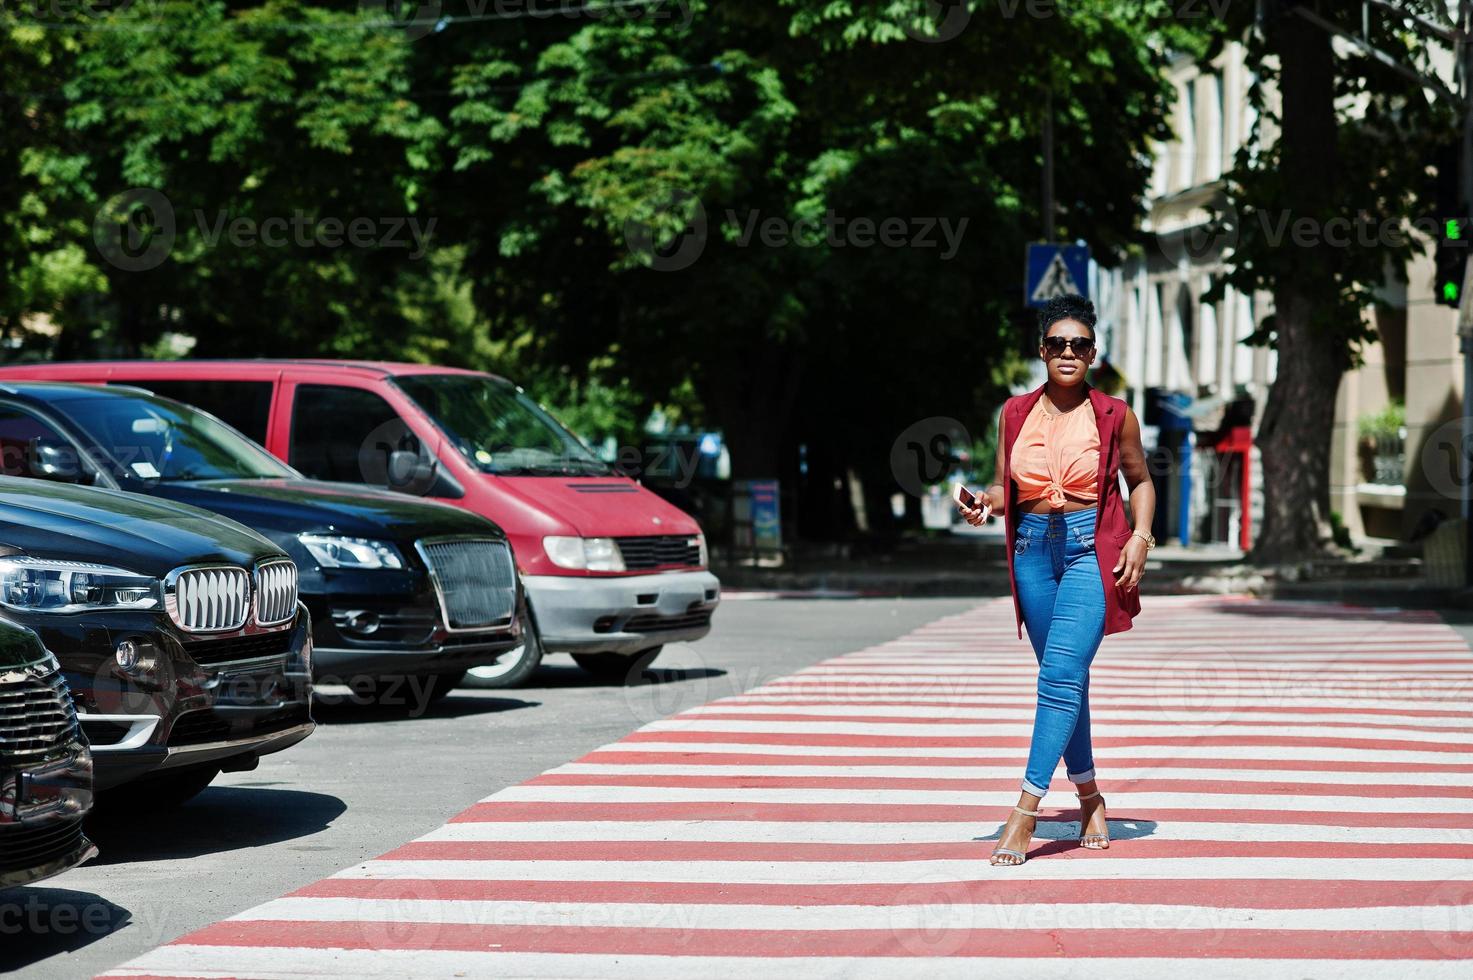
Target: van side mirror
{"x": 407, "y": 469}
{"x": 58, "y": 460}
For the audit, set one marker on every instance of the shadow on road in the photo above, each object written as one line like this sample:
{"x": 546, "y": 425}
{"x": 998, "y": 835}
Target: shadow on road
{"x": 1059, "y": 836}
{"x": 558, "y": 676}
{"x": 344, "y": 710}
{"x": 222, "y": 818}
{"x": 37, "y": 923}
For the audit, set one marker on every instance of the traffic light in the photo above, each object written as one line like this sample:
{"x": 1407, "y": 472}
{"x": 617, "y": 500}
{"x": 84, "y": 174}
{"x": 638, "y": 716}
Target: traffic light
{"x": 1451, "y": 259}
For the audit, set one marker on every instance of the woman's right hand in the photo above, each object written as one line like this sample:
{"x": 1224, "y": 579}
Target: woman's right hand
{"x": 975, "y": 516}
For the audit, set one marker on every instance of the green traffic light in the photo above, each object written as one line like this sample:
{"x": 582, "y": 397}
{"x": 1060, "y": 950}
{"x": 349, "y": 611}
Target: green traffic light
{"x": 1450, "y": 291}
{"x": 1454, "y": 229}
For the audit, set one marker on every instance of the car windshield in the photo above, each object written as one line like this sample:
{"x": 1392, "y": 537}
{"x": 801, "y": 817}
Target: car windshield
{"x": 156, "y": 439}
{"x": 498, "y": 428}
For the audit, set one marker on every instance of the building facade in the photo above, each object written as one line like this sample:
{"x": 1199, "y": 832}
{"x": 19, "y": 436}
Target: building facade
{"x": 1200, "y": 391}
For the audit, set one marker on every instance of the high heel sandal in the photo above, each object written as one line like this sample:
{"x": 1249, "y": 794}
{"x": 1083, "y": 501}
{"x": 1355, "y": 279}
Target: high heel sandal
{"x": 1008, "y": 850}
{"x": 1095, "y": 842}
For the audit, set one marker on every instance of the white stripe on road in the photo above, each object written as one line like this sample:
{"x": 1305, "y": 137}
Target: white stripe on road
{"x": 1120, "y": 799}
{"x": 1176, "y": 730}
{"x": 910, "y": 872}
{"x": 274, "y": 963}
{"x": 1097, "y": 714}
{"x": 827, "y": 918}
{"x": 1245, "y": 753}
{"x": 1117, "y": 777}
{"x": 838, "y": 832}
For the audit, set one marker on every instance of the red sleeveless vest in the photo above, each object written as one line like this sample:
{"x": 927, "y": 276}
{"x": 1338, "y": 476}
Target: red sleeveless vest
{"x": 1112, "y": 527}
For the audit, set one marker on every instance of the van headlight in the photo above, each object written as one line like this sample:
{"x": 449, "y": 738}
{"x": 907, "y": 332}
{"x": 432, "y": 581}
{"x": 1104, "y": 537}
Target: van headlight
{"x": 704, "y": 556}
{"x": 38, "y": 585}
{"x": 337, "y": 551}
{"x": 584, "y": 554}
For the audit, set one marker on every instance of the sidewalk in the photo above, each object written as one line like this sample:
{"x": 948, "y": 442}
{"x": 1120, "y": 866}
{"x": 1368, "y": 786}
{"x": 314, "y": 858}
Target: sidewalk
{"x": 973, "y": 563}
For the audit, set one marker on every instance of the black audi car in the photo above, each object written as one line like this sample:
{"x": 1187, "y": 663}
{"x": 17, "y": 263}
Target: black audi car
{"x": 179, "y": 632}
{"x": 398, "y": 588}
{"x": 45, "y": 768}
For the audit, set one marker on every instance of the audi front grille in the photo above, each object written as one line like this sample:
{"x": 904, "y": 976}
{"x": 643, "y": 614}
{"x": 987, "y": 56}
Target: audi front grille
{"x": 475, "y": 578}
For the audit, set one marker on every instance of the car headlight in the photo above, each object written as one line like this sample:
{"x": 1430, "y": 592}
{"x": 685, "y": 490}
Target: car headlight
{"x": 337, "y": 551}
{"x": 704, "y": 555}
{"x": 39, "y": 585}
{"x": 584, "y": 554}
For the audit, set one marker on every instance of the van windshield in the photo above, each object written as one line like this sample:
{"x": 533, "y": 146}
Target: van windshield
{"x": 156, "y": 439}
{"x": 498, "y": 428}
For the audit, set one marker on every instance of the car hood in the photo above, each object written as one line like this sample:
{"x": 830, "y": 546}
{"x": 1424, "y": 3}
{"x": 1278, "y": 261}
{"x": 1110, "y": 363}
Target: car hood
{"x": 128, "y": 530}
{"x": 295, "y": 506}
{"x": 610, "y": 506}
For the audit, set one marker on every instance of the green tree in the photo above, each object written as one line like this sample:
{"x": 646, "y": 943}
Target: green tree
{"x": 1352, "y": 140}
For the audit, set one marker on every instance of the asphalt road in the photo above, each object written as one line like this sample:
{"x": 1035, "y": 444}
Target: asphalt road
{"x": 368, "y": 781}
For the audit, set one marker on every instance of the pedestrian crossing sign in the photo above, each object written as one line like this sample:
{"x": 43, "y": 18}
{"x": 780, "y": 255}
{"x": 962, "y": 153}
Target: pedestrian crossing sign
{"x": 1056, "y": 270}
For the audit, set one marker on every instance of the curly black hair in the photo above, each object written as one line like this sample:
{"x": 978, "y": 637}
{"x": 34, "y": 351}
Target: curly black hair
{"x": 1070, "y": 307}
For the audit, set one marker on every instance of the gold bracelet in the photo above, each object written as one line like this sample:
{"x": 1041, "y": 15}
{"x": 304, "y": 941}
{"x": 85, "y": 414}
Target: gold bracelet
{"x": 1150, "y": 540}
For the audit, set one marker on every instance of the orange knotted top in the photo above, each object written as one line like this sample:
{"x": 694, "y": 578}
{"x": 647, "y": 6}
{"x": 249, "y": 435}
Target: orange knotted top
{"x": 1057, "y": 454}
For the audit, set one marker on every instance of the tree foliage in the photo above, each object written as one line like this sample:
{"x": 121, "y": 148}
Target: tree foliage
{"x": 546, "y": 150}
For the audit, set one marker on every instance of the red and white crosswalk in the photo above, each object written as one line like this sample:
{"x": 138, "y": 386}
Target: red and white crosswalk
{"x": 1289, "y": 785}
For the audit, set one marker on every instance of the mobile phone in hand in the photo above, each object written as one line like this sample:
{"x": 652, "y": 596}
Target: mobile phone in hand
{"x": 968, "y": 499}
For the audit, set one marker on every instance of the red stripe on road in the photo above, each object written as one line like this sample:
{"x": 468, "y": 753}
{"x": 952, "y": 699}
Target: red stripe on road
{"x": 859, "y": 717}
{"x": 695, "y": 734}
{"x": 1229, "y": 893}
{"x": 493, "y": 811}
{"x": 897, "y": 942}
{"x": 1097, "y": 705}
{"x": 1289, "y": 787}
{"x": 615, "y": 757}
{"x": 966, "y": 847}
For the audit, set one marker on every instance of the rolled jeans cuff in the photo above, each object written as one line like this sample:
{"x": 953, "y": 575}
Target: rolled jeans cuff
{"x": 1082, "y": 777}
{"x": 1035, "y": 790}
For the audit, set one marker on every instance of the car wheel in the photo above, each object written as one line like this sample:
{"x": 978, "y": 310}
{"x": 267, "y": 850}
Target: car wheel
{"x": 515, "y": 667}
{"x": 161, "y": 791}
{"x": 621, "y": 668}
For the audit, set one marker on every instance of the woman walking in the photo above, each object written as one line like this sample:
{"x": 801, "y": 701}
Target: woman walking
{"x": 1074, "y": 561}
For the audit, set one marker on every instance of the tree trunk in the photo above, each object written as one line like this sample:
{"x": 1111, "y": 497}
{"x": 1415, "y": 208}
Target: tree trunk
{"x": 1295, "y": 433}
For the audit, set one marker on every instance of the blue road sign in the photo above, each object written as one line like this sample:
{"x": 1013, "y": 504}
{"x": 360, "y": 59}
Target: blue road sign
{"x": 1056, "y": 270}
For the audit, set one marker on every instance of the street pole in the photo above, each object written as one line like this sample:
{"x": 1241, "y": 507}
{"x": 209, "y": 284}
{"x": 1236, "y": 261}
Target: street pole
{"x": 1465, "y": 301}
{"x": 1048, "y": 167}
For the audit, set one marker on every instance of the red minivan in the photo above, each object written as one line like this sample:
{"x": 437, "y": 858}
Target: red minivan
{"x": 611, "y": 571}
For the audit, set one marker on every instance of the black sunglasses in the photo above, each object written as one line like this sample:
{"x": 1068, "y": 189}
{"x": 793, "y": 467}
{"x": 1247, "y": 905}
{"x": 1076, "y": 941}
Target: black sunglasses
{"x": 1079, "y": 345}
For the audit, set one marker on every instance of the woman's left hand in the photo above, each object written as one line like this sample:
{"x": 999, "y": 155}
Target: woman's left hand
{"x": 1133, "y": 563}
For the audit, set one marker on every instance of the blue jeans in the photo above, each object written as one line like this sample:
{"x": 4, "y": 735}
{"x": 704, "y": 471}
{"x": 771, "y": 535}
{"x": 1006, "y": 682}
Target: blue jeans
{"x": 1063, "y": 600}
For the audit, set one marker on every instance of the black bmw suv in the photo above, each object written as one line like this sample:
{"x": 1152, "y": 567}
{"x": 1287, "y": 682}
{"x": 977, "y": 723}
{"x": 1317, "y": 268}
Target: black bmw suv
{"x": 45, "y": 768}
{"x": 179, "y": 632}
{"x": 398, "y": 588}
